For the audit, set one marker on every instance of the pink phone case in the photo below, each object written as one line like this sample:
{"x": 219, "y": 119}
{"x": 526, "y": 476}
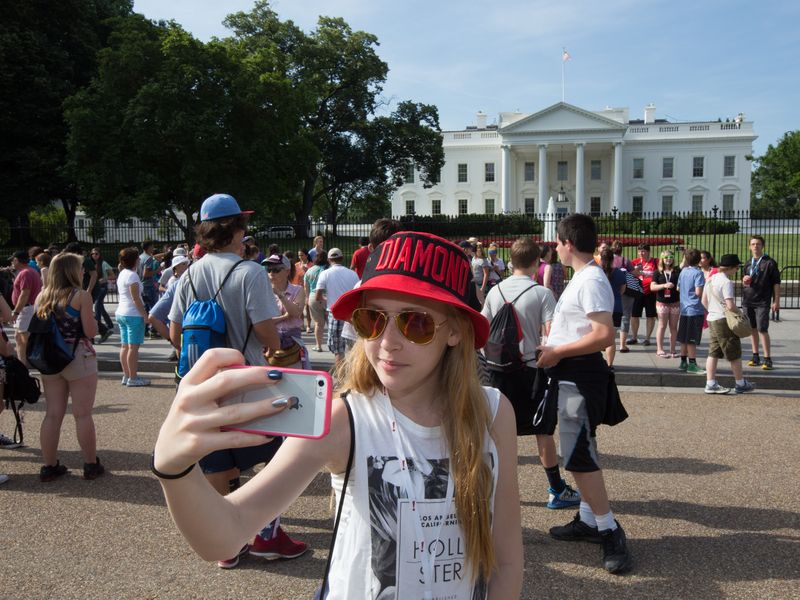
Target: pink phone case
{"x": 303, "y": 373}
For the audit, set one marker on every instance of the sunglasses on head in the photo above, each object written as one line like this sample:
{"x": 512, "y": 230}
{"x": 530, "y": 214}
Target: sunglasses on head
{"x": 416, "y": 326}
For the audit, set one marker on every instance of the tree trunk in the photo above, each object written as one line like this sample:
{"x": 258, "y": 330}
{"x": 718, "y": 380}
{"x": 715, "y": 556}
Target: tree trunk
{"x": 186, "y": 228}
{"x": 70, "y": 209}
{"x": 301, "y": 216}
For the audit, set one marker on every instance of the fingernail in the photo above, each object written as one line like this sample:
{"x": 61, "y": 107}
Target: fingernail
{"x": 280, "y": 402}
{"x": 275, "y": 375}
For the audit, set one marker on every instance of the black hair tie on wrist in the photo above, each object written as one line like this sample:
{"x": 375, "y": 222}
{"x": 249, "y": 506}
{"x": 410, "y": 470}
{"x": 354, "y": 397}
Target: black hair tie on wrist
{"x": 161, "y": 475}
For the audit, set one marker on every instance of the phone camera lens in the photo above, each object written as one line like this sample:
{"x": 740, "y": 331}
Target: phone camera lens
{"x": 320, "y": 383}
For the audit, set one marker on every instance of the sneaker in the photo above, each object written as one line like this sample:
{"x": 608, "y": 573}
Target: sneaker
{"x": 576, "y": 531}
{"x": 743, "y": 389}
{"x": 124, "y": 380}
{"x": 4, "y": 478}
{"x": 232, "y": 562}
{"x": 646, "y": 343}
{"x": 105, "y": 335}
{"x": 683, "y": 366}
{"x": 92, "y": 471}
{"x": 566, "y": 499}
{"x": 52, "y": 472}
{"x": 631, "y": 341}
{"x": 716, "y": 389}
{"x": 281, "y": 546}
{"x": 7, "y": 443}
{"x": 616, "y": 557}
{"x": 767, "y": 366}
{"x": 138, "y": 382}
{"x": 173, "y": 357}
{"x": 754, "y": 362}
{"x": 694, "y": 369}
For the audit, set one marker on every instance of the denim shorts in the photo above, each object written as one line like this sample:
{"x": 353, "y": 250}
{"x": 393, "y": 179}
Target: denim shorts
{"x": 131, "y": 330}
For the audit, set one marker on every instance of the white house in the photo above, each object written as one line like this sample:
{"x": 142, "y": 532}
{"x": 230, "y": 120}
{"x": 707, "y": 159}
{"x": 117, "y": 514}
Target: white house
{"x": 590, "y": 161}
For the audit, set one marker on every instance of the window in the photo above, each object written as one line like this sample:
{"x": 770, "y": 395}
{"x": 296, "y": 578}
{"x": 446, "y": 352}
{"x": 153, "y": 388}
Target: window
{"x": 436, "y": 177}
{"x": 530, "y": 171}
{"x": 409, "y": 207}
{"x": 697, "y": 203}
{"x": 594, "y": 204}
{"x": 80, "y": 223}
{"x": 409, "y": 178}
{"x": 638, "y": 168}
{"x": 697, "y": 166}
{"x": 638, "y": 203}
{"x": 667, "y": 168}
{"x": 462, "y": 206}
{"x": 489, "y": 206}
{"x": 562, "y": 170}
{"x": 727, "y": 205}
{"x": 729, "y": 167}
{"x": 666, "y": 205}
{"x": 530, "y": 205}
{"x": 436, "y": 207}
{"x": 595, "y": 170}
{"x": 489, "y": 172}
{"x": 462, "y": 172}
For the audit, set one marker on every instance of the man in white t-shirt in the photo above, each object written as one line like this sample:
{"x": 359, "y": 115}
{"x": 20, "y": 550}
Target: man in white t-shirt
{"x": 335, "y": 281}
{"x": 582, "y": 327}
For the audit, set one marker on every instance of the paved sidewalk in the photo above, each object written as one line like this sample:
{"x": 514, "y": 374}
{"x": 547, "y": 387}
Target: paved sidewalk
{"x": 639, "y": 367}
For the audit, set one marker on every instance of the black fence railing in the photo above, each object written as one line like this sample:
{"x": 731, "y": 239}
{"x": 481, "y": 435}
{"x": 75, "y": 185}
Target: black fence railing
{"x": 719, "y": 232}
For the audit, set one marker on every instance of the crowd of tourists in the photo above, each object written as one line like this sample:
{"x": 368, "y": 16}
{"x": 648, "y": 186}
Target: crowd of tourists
{"x": 446, "y": 349}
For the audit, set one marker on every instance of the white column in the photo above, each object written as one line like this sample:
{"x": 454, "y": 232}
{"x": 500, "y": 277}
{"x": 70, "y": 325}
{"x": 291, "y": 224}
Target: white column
{"x": 542, "y": 166}
{"x": 618, "y": 175}
{"x": 505, "y": 183}
{"x": 580, "y": 201}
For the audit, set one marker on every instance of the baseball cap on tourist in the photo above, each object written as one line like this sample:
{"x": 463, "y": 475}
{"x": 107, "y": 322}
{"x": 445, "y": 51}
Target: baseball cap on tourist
{"x": 729, "y": 260}
{"x": 220, "y": 206}
{"x": 465, "y": 244}
{"x": 20, "y": 255}
{"x": 179, "y": 251}
{"x": 335, "y": 253}
{"x": 276, "y": 260}
{"x": 179, "y": 260}
{"x": 422, "y": 265}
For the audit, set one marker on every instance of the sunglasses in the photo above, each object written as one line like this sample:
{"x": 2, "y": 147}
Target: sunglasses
{"x": 274, "y": 269}
{"x": 417, "y": 327}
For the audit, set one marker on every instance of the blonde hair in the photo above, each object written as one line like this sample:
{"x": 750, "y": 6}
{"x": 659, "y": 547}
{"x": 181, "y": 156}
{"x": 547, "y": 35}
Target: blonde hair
{"x": 465, "y": 423}
{"x": 63, "y": 277}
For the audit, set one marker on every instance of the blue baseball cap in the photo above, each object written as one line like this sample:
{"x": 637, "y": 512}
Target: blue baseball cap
{"x": 220, "y": 206}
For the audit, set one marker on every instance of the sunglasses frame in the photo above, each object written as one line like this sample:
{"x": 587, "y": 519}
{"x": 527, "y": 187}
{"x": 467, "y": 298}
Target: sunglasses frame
{"x": 386, "y": 314}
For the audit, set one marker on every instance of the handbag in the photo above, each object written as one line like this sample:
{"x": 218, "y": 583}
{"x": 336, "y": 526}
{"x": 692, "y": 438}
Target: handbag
{"x": 633, "y": 287}
{"x": 47, "y": 350}
{"x": 738, "y": 323}
{"x": 285, "y": 357}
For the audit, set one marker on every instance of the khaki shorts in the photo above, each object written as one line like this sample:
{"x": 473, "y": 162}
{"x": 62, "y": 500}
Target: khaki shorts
{"x": 83, "y": 365}
{"x": 318, "y": 310}
{"x": 24, "y": 319}
{"x": 724, "y": 343}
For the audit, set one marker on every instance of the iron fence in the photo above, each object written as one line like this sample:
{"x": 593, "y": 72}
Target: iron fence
{"x": 715, "y": 231}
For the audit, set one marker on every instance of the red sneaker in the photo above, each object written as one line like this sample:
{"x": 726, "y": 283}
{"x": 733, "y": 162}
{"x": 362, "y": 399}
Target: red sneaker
{"x": 232, "y": 562}
{"x": 281, "y": 546}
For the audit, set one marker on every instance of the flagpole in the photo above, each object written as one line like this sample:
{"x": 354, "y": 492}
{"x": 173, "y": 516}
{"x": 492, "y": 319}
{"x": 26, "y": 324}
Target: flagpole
{"x": 562, "y": 78}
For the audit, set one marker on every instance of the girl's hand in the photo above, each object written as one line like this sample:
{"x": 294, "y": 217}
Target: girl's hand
{"x": 192, "y": 427}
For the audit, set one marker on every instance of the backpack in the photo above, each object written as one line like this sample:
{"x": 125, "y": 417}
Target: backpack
{"x": 20, "y": 388}
{"x": 203, "y": 326}
{"x": 502, "y": 349}
{"x": 47, "y": 350}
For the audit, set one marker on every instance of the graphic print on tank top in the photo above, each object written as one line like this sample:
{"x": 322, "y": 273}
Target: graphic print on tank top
{"x": 396, "y": 563}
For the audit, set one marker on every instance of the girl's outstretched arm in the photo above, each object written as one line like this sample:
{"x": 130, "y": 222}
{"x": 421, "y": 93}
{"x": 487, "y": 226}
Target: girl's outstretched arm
{"x": 506, "y": 581}
{"x": 217, "y": 526}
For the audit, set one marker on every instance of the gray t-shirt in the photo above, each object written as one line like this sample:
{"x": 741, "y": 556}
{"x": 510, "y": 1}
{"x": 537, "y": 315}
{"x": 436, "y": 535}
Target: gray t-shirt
{"x": 246, "y": 298}
{"x": 534, "y": 308}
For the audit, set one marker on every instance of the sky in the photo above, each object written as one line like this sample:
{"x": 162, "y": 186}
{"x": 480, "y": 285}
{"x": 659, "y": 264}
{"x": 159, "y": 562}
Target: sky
{"x": 696, "y": 60}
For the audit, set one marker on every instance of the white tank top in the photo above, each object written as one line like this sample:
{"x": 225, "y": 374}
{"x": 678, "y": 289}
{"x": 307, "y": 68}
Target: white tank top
{"x": 374, "y": 557}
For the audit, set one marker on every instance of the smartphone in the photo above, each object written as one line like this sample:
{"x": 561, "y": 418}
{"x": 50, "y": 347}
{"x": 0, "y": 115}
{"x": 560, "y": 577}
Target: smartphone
{"x": 310, "y": 394}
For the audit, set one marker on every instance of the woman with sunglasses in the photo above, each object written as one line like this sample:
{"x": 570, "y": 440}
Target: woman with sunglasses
{"x": 290, "y": 299}
{"x": 434, "y": 452}
{"x": 668, "y": 307}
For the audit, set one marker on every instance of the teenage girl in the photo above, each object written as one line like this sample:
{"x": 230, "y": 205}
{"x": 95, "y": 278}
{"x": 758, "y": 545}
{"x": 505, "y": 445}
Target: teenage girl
{"x": 432, "y": 447}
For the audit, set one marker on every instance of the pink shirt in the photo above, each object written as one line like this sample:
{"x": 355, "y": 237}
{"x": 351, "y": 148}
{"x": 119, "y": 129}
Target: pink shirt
{"x": 26, "y": 279}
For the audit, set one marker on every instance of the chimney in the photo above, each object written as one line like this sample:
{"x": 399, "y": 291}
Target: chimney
{"x": 480, "y": 120}
{"x": 650, "y": 113}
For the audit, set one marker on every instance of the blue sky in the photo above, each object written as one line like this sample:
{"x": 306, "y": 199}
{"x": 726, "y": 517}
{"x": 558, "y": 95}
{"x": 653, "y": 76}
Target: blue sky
{"x": 696, "y": 60}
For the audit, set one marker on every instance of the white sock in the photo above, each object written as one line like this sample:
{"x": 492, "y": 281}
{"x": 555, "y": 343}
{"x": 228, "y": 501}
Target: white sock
{"x": 740, "y": 382}
{"x": 587, "y": 516}
{"x": 711, "y": 382}
{"x": 606, "y": 522}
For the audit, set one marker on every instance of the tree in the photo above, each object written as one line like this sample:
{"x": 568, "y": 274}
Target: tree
{"x": 47, "y": 52}
{"x": 345, "y": 153}
{"x": 776, "y": 179}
